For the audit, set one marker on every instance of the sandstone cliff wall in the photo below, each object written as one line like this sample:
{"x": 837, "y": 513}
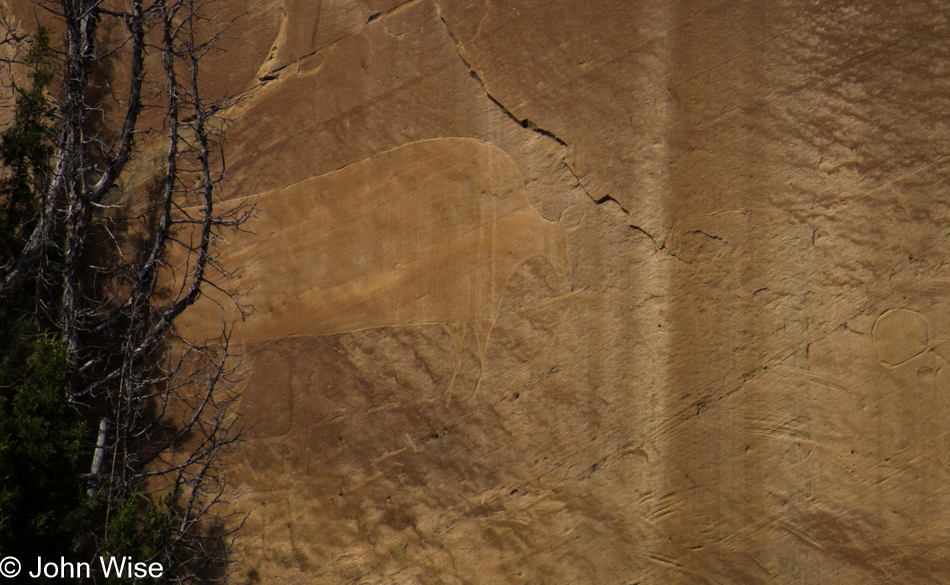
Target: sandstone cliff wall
{"x": 605, "y": 292}
{"x": 740, "y": 376}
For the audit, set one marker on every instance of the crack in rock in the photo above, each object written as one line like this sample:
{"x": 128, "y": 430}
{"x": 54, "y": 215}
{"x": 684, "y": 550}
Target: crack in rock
{"x": 649, "y": 235}
{"x": 529, "y": 125}
{"x": 710, "y": 236}
{"x": 523, "y": 122}
{"x": 609, "y": 198}
{"x": 374, "y": 16}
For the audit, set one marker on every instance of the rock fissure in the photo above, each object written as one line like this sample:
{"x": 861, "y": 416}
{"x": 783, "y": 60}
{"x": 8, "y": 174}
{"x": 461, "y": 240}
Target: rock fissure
{"x": 605, "y": 199}
{"x": 530, "y": 125}
{"x": 374, "y": 16}
{"x": 523, "y": 122}
{"x": 710, "y": 236}
{"x": 610, "y": 198}
{"x": 646, "y": 233}
{"x": 269, "y": 75}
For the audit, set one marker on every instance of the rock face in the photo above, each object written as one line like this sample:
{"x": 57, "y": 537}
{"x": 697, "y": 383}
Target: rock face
{"x": 426, "y": 233}
{"x": 605, "y": 292}
{"x": 739, "y": 378}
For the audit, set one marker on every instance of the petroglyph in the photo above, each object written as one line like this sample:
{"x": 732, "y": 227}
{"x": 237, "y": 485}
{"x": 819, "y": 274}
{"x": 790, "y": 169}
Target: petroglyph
{"x": 427, "y": 233}
{"x": 900, "y": 335}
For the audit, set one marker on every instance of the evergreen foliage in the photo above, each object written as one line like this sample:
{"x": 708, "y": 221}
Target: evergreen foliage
{"x": 43, "y": 505}
{"x": 25, "y": 148}
{"x": 141, "y": 529}
{"x": 43, "y": 438}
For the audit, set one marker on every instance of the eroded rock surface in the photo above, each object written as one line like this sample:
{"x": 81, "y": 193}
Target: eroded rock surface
{"x": 741, "y": 377}
{"x": 600, "y": 292}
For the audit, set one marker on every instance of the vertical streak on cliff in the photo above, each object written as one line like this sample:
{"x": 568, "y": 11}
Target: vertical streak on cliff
{"x": 652, "y": 171}
{"x": 719, "y": 172}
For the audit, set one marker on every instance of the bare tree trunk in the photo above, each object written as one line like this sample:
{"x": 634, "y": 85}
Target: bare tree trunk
{"x": 162, "y": 404}
{"x": 98, "y": 457}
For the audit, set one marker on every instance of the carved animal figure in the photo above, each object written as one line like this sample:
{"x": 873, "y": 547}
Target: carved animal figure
{"x": 428, "y": 232}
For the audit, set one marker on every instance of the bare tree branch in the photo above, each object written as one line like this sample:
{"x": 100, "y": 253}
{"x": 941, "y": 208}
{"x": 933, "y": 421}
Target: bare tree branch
{"x": 114, "y": 277}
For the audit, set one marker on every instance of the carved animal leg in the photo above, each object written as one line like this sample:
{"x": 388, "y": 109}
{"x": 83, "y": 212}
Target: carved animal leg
{"x": 456, "y": 333}
{"x": 482, "y": 329}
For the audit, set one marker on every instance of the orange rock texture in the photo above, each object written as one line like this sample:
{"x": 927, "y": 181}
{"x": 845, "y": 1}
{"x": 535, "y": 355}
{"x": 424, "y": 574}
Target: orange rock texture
{"x": 592, "y": 292}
